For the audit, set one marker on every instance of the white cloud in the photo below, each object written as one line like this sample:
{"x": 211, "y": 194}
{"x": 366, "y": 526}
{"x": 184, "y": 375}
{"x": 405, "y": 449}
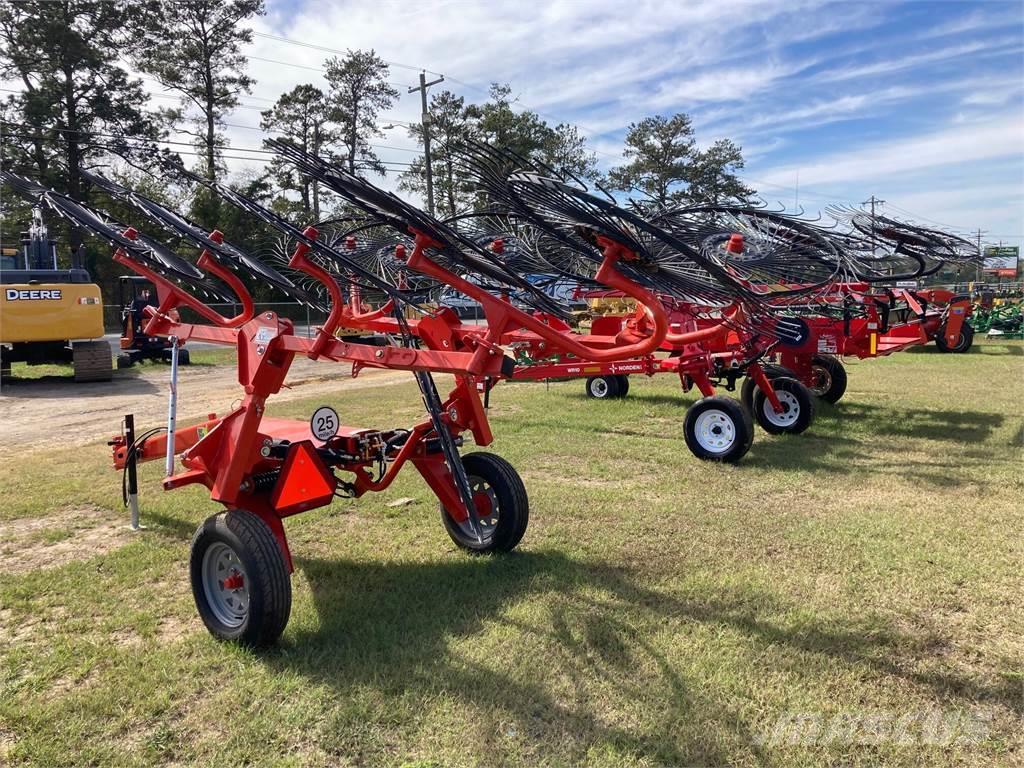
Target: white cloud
{"x": 1001, "y": 136}
{"x": 976, "y": 49}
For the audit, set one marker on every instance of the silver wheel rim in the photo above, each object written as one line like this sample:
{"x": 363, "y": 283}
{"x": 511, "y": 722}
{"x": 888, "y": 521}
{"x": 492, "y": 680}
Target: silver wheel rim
{"x": 489, "y": 522}
{"x": 599, "y": 387}
{"x": 822, "y": 380}
{"x": 790, "y": 410}
{"x": 715, "y": 431}
{"x": 228, "y": 599}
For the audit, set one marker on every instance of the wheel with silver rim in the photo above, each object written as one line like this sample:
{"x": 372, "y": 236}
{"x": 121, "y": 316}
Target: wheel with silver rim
{"x": 797, "y": 408}
{"x": 718, "y": 429}
{"x": 225, "y": 585}
{"x": 240, "y": 580}
{"x": 603, "y": 387}
{"x": 502, "y": 506}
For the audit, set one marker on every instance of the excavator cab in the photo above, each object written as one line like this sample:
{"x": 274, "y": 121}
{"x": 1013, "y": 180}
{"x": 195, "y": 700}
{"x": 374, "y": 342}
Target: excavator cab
{"x": 135, "y": 293}
{"x": 48, "y": 314}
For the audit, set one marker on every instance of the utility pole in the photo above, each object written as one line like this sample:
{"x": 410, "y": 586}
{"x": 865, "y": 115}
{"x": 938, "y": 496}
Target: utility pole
{"x": 425, "y": 122}
{"x": 873, "y": 202}
{"x": 980, "y": 263}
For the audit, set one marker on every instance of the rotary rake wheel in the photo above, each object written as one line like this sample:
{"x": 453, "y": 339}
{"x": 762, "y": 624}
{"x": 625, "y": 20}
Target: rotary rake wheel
{"x": 212, "y": 244}
{"x": 856, "y": 316}
{"x": 146, "y": 251}
{"x": 721, "y": 324}
{"x": 889, "y": 249}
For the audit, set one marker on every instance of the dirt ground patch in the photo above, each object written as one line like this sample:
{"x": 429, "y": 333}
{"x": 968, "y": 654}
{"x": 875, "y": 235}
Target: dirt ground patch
{"x": 90, "y": 412}
{"x": 168, "y": 630}
{"x": 71, "y": 534}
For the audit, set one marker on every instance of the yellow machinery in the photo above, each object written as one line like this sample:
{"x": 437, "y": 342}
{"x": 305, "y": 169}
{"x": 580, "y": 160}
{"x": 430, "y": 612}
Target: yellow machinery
{"x": 49, "y": 315}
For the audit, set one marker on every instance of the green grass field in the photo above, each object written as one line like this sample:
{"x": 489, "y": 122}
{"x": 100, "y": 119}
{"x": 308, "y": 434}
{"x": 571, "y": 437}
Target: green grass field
{"x": 660, "y": 611}
{"x": 204, "y": 357}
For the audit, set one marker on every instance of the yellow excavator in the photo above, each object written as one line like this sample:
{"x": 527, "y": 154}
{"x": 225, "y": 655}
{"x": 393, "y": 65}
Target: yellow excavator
{"x": 50, "y": 315}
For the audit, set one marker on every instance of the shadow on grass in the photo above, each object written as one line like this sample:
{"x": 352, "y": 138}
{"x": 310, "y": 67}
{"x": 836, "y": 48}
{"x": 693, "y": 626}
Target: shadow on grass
{"x": 983, "y": 348}
{"x": 390, "y": 626}
{"x": 170, "y": 526}
{"x": 853, "y": 438}
{"x": 957, "y": 426}
{"x": 124, "y": 382}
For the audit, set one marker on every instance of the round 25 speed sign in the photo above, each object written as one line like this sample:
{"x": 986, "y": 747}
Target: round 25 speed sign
{"x": 324, "y": 423}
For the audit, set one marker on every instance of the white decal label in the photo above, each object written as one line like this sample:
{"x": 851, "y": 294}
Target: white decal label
{"x": 264, "y": 335}
{"x": 51, "y": 294}
{"x": 827, "y": 344}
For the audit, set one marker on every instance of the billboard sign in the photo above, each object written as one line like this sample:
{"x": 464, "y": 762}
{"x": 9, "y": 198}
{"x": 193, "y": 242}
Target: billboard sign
{"x": 1001, "y": 261}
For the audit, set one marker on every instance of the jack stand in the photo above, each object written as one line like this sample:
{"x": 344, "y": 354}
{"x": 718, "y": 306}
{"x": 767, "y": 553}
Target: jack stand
{"x": 172, "y": 407}
{"x": 133, "y": 479}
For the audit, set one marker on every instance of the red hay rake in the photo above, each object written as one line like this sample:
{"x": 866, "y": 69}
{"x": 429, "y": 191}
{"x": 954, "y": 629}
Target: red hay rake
{"x": 266, "y": 469}
{"x": 719, "y": 292}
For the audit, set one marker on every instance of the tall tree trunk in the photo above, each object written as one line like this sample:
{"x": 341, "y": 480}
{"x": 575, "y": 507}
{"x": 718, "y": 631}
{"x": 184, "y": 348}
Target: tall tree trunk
{"x": 353, "y": 136}
{"x": 451, "y": 189}
{"x": 213, "y": 205}
{"x": 316, "y": 185}
{"x": 74, "y": 153}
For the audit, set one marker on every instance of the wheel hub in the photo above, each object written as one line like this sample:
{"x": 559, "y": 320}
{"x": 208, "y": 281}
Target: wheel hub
{"x": 790, "y": 410}
{"x": 225, "y": 584}
{"x": 715, "y": 431}
{"x": 822, "y": 380}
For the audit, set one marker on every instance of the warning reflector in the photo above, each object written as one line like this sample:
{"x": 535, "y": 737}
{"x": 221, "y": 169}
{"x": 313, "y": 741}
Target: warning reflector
{"x": 305, "y": 482}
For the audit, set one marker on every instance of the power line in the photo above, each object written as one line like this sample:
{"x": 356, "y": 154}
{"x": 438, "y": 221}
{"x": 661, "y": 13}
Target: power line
{"x": 283, "y": 39}
{"x": 140, "y": 142}
{"x": 463, "y": 83}
{"x": 321, "y": 70}
{"x": 925, "y": 218}
{"x": 282, "y": 133}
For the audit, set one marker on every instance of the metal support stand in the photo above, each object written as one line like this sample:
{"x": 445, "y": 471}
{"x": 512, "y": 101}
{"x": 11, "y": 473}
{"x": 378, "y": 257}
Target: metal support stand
{"x": 133, "y": 479}
{"x": 172, "y": 407}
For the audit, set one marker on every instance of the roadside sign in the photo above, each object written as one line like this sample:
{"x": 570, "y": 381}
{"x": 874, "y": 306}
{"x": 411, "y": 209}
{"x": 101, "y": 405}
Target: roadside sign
{"x": 1001, "y": 261}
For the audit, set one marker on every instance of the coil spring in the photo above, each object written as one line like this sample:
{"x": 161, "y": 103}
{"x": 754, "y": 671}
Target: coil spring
{"x": 264, "y": 481}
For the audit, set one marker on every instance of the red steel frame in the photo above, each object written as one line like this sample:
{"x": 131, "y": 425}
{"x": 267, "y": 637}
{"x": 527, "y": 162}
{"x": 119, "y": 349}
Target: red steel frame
{"x": 244, "y": 454}
{"x": 723, "y": 349}
{"x": 923, "y": 314}
{"x": 701, "y": 349}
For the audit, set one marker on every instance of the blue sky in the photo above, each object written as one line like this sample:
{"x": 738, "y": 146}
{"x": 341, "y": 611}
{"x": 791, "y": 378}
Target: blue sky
{"x": 920, "y": 104}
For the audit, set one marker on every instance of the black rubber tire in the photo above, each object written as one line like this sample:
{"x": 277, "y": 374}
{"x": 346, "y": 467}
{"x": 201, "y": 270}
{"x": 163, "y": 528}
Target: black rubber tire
{"x": 92, "y": 361}
{"x": 623, "y": 384}
{"x": 734, "y": 415}
{"x": 830, "y": 378}
{"x": 963, "y": 343}
{"x": 513, "y": 505}
{"x": 804, "y": 404}
{"x": 183, "y": 357}
{"x": 747, "y": 389}
{"x": 124, "y": 361}
{"x": 268, "y": 581}
{"x": 603, "y": 387}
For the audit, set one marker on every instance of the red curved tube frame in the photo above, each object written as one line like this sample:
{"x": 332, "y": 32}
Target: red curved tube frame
{"x": 502, "y": 316}
{"x": 171, "y": 296}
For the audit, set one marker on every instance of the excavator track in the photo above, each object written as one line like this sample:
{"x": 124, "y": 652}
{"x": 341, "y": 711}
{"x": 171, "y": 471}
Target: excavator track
{"x": 92, "y": 361}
